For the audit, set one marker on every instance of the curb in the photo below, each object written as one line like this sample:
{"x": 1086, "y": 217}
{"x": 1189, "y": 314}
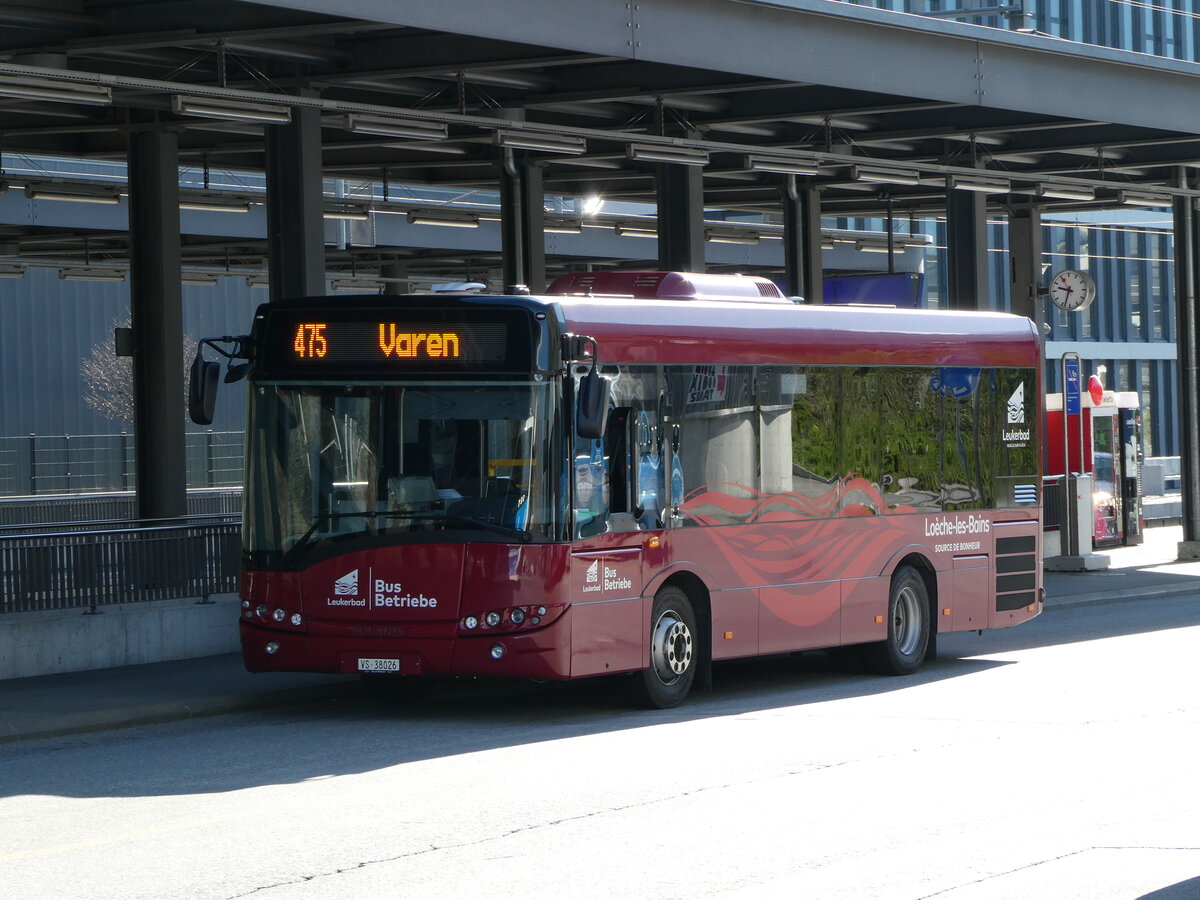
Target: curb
{"x": 172, "y": 711}
{"x": 1153, "y": 593}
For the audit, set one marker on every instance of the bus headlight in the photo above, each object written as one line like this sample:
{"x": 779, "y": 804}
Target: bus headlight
{"x": 497, "y": 651}
{"x": 492, "y": 619}
{"x": 297, "y": 619}
{"x": 471, "y": 623}
{"x": 272, "y": 648}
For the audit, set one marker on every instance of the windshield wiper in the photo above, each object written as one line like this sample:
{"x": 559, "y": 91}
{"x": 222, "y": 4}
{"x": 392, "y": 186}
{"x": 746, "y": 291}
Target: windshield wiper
{"x": 519, "y": 533}
{"x": 306, "y": 538}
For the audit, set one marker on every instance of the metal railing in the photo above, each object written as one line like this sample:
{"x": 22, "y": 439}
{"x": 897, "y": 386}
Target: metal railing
{"x": 91, "y": 565}
{"x": 38, "y": 464}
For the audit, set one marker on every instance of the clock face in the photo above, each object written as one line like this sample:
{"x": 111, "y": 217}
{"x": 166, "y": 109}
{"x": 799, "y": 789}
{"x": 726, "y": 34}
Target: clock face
{"x": 1072, "y": 291}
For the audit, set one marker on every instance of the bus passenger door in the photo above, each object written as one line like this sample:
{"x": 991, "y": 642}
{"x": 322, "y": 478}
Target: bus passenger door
{"x": 608, "y": 615}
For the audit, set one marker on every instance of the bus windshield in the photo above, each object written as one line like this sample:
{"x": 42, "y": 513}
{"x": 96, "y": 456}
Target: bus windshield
{"x": 335, "y": 461}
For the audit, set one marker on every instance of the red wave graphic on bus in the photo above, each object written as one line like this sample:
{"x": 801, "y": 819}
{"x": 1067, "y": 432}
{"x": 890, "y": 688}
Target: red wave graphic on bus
{"x": 784, "y": 556}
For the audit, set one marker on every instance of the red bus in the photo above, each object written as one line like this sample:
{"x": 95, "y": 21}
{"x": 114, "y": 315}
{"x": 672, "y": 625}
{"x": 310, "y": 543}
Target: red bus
{"x": 634, "y": 473}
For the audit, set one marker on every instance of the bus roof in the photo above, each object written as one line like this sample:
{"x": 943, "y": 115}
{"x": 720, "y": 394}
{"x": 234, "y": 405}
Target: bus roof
{"x": 702, "y": 331}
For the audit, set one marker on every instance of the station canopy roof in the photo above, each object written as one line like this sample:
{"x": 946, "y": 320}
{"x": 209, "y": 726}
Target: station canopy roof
{"x": 882, "y": 110}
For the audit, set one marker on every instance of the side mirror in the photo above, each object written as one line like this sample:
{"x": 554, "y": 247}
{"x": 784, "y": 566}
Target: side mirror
{"x": 591, "y": 414}
{"x": 202, "y": 390}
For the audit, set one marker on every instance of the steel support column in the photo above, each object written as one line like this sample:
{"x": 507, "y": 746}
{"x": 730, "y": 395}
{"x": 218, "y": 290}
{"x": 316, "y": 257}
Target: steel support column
{"x": 802, "y": 241}
{"x": 522, "y": 222}
{"x": 966, "y": 238}
{"x": 295, "y": 225}
{"x": 156, "y": 307}
{"x": 1187, "y": 312}
{"x": 1025, "y": 253}
{"x": 680, "y": 197}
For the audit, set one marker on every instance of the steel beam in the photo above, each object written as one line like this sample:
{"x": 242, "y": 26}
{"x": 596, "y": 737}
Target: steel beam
{"x": 1187, "y": 313}
{"x": 156, "y": 305}
{"x": 1025, "y": 253}
{"x": 802, "y": 240}
{"x": 522, "y": 221}
{"x": 680, "y": 194}
{"x": 295, "y": 222}
{"x": 966, "y": 238}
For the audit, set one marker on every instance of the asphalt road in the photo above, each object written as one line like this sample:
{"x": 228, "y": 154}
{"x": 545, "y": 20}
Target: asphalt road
{"x": 1055, "y": 760}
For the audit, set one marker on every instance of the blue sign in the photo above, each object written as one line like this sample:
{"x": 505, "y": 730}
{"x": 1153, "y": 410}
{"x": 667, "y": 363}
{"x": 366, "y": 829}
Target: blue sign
{"x": 1071, "y": 385}
{"x": 956, "y": 383}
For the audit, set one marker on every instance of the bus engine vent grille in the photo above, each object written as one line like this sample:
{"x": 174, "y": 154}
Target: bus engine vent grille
{"x": 1025, "y": 493}
{"x": 1016, "y": 572}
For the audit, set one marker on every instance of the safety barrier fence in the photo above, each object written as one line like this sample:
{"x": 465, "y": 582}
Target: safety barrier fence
{"x": 39, "y": 464}
{"x": 114, "y": 509}
{"x": 92, "y": 565}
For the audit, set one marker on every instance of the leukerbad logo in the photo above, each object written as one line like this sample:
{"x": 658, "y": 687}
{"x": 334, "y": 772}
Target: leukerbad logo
{"x": 347, "y": 585}
{"x": 1016, "y": 405}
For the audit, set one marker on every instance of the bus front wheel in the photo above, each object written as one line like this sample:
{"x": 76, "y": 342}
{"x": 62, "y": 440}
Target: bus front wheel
{"x": 909, "y": 627}
{"x": 674, "y": 653}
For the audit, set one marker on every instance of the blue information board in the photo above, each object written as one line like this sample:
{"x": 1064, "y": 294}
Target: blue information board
{"x": 1071, "y": 385}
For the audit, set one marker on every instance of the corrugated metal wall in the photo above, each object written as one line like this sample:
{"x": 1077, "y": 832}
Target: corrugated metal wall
{"x": 48, "y": 327}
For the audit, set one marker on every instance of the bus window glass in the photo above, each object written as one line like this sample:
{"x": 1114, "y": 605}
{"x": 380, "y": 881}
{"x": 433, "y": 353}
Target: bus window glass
{"x": 816, "y": 473}
{"x": 718, "y": 442}
{"x": 338, "y": 460}
{"x": 860, "y": 423}
{"x": 967, "y": 395}
{"x": 605, "y": 471}
{"x": 910, "y": 414}
{"x": 1017, "y": 423}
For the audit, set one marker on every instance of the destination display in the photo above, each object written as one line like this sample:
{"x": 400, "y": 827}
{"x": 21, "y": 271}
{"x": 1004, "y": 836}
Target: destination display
{"x": 380, "y": 342}
{"x": 396, "y": 341}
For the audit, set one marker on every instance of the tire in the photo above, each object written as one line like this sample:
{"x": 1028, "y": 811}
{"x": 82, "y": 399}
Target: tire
{"x": 909, "y": 627}
{"x": 674, "y": 653}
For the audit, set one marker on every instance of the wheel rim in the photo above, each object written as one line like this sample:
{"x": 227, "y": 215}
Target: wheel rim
{"x": 906, "y": 623}
{"x": 671, "y": 647}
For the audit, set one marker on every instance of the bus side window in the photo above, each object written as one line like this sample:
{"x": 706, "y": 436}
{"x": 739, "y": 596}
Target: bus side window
{"x": 621, "y": 451}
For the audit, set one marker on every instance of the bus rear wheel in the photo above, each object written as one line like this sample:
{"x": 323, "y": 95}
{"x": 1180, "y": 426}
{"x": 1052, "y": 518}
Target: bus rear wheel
{"x": 674, "y": 654}
{"x": 909, "y": 626}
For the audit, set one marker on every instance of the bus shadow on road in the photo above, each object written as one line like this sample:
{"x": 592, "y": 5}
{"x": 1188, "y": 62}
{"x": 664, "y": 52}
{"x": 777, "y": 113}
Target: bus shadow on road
{"x": 356, "y": 732}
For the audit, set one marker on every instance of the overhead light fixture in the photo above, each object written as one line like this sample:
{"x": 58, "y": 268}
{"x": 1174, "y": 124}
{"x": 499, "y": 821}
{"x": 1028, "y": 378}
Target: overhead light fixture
{"x": 411, "y": 129}
{"x": 214, "y": 202}
{"x": 76, "y": 193}
{"x": 198, "y": 278}
{"x": 446, "y": 218}
{"x": 546, "y": 143}
{"x": 258, "y": 281}
{"x": 871, "y": 246}
{"x": 731, "y": 237}
{"x": 1150, "y": 201}
{"x": 563, "y": 226}
{"x": 347, "y": 213}
{"x": 686, "y": 156}
{"x": 1061, "y": 192}
{"x": 360, "y": 285}
{"x": 885, "y": 176}
{"x": 24, "y": 87}
{"x": 642, "y": 231}
{"x": 781, "y": 166}
{"x": 826, "y": 243}
{"x": 231, "y": 110}
{"x": 592, "y": 205}
{"x": 979, "y": 185}
{"x": 12, "y": 271}
{"x": 91, "y": 273}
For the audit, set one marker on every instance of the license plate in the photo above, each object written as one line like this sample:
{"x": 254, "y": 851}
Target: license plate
{"x": 375, "y": 664}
